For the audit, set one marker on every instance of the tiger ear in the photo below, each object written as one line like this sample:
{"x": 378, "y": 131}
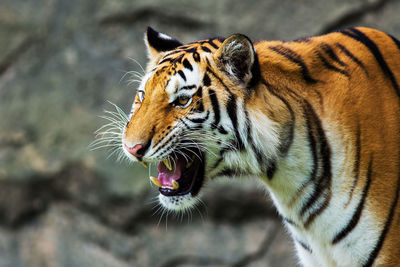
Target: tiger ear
{"x": 237, "y": 57}
{"x": 157, "y": 43}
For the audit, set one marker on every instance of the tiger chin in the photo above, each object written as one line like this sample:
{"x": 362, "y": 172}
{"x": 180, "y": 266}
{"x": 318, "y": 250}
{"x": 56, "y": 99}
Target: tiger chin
{"x": 317, "y": 120}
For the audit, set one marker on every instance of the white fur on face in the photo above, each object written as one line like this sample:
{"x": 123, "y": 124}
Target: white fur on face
{"x": 176, "y": 82}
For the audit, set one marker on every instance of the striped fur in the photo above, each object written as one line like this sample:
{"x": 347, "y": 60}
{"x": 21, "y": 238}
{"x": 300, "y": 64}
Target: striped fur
{"x": 317, "y": 120}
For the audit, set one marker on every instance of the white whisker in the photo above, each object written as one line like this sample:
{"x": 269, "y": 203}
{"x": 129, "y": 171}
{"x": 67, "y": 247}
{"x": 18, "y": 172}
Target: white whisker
{"x": 137, "y": 62}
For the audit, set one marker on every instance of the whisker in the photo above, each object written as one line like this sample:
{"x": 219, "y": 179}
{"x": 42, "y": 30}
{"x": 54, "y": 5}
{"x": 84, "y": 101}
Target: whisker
{"x": 110, "y": 134}
{"x": 137, "y": 62}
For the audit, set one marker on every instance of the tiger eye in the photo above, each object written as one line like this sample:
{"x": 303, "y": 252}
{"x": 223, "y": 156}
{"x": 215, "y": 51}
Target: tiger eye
{"x": 183, "y": 100}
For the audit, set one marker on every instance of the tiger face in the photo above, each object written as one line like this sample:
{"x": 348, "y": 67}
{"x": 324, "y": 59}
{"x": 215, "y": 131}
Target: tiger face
{"x": 184, "y": 116}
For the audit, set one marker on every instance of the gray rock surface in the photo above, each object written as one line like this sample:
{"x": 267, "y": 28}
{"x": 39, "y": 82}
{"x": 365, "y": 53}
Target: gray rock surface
{"x": 64, "y": 205}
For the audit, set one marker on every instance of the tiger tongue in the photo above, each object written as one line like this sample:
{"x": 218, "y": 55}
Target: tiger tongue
{"x": 165, "y": 176}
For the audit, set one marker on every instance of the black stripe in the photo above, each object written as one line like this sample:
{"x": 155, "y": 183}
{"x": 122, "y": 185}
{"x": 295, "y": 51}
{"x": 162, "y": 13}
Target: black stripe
{"x": 304, "y": 245}
{"x": 200, "y": 107}
{"x": 324, "y": 179}
{"x": 287, "y": 137}
{"x": 218, "y": 162}
{"x": 211, "y": 42}
{"x": 352, "y": 57}
{"x": 188, "y": 87}
{"x": 295, "y": 58}
{"x": 190, "y": 50}
{"x": 219, "y": 80}
{"x": 187, "y": 64}
{"x": 259, "y": 156}
{"x": 165, "y": 60}
{"x": 215, "y": 106}
{"x": 357, "y": 214}
{"x": 227, "y": 172}
{"x": 200, "y": 120}
{"x": 184, "y": 123}
{"x": 206, "y": 80}
{"x": 362, "y": 38}
{"x": 357, "y": 159}
{"x": 180, "y": 72}
{"x": 178, "y": 59}
{"x": 222, "y": 130}
{"x": 330, "y": 66}
{"x": 255, "y": 73}
{"x": 271, "y": 170}
{"x": 199, "y": 92}
{"x": 313, "y": 147}
{"x": 205, "y": 49}
{"x": 318, "y": 211}
{"x": 208, "y": 63}
{"x": 379, "y": 244}
{"x": 231, "y": 108}
{"x": 328, "y": 50}
{"x": 221, "y": 154}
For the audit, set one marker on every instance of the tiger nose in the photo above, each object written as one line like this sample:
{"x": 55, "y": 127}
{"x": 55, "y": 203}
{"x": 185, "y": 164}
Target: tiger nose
{"x": 137, "y": 150}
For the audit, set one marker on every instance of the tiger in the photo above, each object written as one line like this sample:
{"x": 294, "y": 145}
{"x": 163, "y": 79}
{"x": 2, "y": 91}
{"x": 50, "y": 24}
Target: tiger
{"x": 316, "y": 120}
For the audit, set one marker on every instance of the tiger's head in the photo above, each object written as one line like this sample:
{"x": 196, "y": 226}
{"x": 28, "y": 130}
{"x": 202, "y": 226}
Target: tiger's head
{"x": 187, "y": 115}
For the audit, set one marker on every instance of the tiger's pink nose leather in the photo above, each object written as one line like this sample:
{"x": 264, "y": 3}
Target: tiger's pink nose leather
{"x": 136, "y": 150}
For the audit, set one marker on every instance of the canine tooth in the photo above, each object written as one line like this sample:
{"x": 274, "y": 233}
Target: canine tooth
{"x": 167, "y": 164}
{"x": 175, "y": 185}
{"x": 155, "y": 181}
{"x": 144, "y": 164}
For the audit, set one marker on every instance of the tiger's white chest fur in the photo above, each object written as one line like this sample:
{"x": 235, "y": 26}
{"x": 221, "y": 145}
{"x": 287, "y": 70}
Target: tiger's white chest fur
{"x": 314, "y": 225}
{"x": 315, "y": 219}
{"x": 314, "y": 241}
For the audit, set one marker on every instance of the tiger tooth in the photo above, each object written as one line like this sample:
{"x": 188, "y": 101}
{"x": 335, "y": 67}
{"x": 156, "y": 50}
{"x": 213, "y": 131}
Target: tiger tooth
{"x": 144, "y": 164}
{"x": 175, "y": 185}
{"x": 167, "y": 164}
{"x": 155, "y": 181}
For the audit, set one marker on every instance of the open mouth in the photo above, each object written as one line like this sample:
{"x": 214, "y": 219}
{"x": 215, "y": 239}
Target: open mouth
{"x": 181, "y": 175}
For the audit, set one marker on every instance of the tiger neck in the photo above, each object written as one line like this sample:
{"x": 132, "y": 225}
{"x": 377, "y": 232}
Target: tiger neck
{"x": 292, "y": 159}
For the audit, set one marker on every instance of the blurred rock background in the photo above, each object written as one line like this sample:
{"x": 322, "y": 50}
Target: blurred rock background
{"x": 64, "y": 205}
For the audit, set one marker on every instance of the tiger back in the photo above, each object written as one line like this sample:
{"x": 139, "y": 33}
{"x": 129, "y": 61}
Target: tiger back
{"x": 317, "y": 120}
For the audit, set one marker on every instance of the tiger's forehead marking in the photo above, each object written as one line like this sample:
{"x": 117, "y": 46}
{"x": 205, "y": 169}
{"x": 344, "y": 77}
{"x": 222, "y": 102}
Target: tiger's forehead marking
{"x": 179, "y": 70}
{"x": 192, "y": 51}
{"x": 180, "y": 67}
{"x": 184, "y": 81}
